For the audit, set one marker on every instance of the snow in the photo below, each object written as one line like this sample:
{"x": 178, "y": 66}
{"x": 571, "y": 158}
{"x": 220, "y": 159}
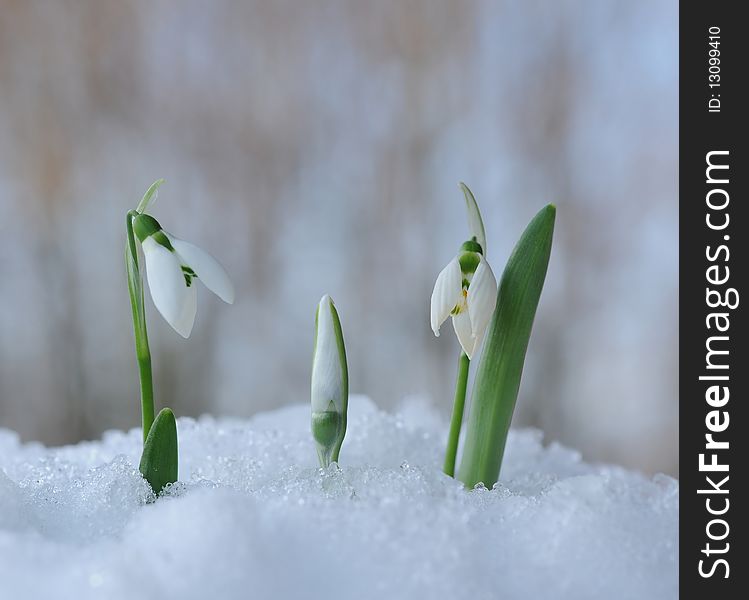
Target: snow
{"x": 254, "y": 517}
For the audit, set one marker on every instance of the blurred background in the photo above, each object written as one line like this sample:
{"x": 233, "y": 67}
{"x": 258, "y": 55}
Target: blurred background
{"x": 316, "y": 147}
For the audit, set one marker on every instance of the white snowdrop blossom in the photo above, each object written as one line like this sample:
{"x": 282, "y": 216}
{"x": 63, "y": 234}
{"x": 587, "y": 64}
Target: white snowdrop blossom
{"x": 172, "y": 266}
{"x": 466, "y": 289}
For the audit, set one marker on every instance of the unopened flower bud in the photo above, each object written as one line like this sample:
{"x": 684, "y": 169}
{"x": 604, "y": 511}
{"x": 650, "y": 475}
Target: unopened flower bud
{"x": 329, "y": 383}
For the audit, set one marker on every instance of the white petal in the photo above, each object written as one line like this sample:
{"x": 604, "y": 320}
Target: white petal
{"x": 477, "y": 343}
{"x": 207, "y": 268}
{"x": 186, "y": 320}
{"x": 329, "y": 377}
{"x": 482, "y": 298}
{"x": 462, "y": 326}
{"x": 446, "y": 294}
{"x": 171, "y": 296}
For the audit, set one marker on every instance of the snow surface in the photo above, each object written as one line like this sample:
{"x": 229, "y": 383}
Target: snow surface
{"x": 254, "y": 517}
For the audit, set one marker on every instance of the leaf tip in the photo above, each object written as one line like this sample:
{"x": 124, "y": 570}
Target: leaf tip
{"x": 166, "y": 413}
{"x": 550, "y": 209}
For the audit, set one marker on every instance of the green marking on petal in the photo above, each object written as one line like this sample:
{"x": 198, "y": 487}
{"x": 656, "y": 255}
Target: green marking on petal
{"x": 189, "y": 275}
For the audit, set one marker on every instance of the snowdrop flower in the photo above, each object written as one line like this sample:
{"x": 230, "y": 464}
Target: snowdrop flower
{"x": 329, "y": 383}
{"x": 172, "y": 265}
{"x": 466, "y": 289}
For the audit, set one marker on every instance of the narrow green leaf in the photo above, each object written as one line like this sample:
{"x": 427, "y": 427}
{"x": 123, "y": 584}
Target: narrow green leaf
{"x": 495, "y": 390}
{"x": 158, "y": 464}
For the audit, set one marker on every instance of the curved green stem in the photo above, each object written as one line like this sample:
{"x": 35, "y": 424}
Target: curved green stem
{"x": 464, "y": 364}
{"x": 142, "y": 351}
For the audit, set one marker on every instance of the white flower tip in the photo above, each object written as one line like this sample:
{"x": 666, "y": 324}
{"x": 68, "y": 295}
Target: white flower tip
{"x": 325, "y": 300}
{"x": 228, "y": 295}
{"x": 462, "y": 327}
{"x": 183, "y": 322}
{"x": 326, "y": 306}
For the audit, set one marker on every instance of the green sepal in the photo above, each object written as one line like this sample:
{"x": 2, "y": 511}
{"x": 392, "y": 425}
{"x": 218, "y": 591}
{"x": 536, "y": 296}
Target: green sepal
{"x": 159, "y": 461}
{"x": 498, "y": 376}
{"x": 160, "y": 238}
{"x": 328, "y": 430}
{"x": 145, "y": 226}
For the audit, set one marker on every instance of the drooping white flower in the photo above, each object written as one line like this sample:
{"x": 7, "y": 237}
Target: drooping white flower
{"x": 466, "y": 289}
{"x": 329, "y": 389}
{"x": 172, "y": 266}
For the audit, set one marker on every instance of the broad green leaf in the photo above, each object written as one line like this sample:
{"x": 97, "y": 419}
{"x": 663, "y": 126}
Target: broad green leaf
{"x": 495, "y": 390}
{"x": 158, "y": 464}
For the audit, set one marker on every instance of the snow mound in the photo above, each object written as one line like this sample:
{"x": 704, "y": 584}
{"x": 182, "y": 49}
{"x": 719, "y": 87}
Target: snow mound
{"x": 254, "y": 517}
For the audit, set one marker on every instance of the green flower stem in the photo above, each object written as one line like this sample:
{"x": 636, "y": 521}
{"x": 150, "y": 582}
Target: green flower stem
{"x": 464, "y": 364}
{"x": 142, "y": 351}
